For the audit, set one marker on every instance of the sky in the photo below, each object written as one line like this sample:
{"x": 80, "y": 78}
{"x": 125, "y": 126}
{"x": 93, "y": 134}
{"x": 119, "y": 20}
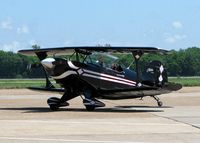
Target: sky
{"x": 169, "y": 24}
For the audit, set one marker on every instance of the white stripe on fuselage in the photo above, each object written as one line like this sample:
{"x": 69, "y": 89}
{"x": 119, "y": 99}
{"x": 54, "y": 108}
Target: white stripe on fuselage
{"x": 110, "y": 76}
{"x": 108, "y": 79}
{"x": 93, "y": 74}
{"x": 65, "y": 74}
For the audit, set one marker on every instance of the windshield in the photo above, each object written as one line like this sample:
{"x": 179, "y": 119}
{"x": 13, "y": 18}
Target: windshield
{"x": 103, "y": 59}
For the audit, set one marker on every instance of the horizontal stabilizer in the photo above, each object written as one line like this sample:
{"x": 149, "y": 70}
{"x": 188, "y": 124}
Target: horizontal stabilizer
{"x": 172, "y": 86}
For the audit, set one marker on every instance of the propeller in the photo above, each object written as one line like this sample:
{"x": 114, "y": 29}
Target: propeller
{"x": 38, "y": 65}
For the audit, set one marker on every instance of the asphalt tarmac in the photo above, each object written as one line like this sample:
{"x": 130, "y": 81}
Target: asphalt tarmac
{"x": 26, "y": 118}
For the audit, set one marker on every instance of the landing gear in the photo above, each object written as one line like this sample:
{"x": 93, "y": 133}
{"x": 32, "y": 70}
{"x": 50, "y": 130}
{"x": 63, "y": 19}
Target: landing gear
{"x": 55, "y": 103}
{"x": 160, "y": 103}
{"x": 89, "y": 101}
{"x": 91, "y": 104}
{"x": 53, "y": 107}
{"x": 89, "y": 107}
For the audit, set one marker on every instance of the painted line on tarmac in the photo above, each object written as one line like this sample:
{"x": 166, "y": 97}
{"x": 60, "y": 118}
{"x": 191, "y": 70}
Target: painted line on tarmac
{"x": 63, "y": 140}
{"x": 93, "y": 122}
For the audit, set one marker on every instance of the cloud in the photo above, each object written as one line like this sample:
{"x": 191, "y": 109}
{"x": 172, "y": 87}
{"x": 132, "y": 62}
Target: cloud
{"x": 175, "y": 38}
{"x": 24, "y": 29}
{"x": 6, "y": 24}
{"x": 13, "y": 46}
{"x": 177, "y": 25}
{"x": 170, "y": 40}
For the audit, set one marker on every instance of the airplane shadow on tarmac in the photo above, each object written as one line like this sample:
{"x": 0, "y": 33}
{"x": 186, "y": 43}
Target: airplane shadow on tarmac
{"x": 116, "y": 109}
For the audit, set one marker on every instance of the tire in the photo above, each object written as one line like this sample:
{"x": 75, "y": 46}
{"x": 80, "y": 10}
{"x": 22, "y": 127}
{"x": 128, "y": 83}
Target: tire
{"x": 53, "y": 103}
{"x": 90, "y": 108}
{"x": 54, "y": 108}
{"x": 53, "y": 99}
{"x": 160, "y": 104}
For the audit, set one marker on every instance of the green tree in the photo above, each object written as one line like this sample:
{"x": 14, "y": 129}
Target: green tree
{"x": 35, "y": 46}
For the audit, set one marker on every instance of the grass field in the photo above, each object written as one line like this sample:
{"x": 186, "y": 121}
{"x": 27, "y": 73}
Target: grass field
{"x": 23, "y": 83}
{"x": 186, "y": 81}
{"x": 20, "y": 83}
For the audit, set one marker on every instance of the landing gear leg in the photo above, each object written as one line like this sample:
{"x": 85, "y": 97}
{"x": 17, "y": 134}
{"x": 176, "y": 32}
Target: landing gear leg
{"x": 160, "y": 103}
{"x": 55, "y": 103}
{"x": 90, "y": 102}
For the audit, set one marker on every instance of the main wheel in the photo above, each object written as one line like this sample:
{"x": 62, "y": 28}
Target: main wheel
{"x": 53, "y": 100}
{"x": 53, "y": 103}
{"x": 160, "y": 104}
{"x": 90, "y": 107}
{"x": 54, "y": 108}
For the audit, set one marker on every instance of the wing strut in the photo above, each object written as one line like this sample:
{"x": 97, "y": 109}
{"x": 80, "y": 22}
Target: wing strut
{"x": 137, "y": 55}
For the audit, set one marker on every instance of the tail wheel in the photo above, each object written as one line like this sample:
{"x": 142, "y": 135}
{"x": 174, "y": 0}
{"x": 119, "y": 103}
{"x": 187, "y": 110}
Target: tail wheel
{"x": 160, "y": 104}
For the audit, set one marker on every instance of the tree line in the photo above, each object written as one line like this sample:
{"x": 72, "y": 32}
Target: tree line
{"x": 185, "y": 62}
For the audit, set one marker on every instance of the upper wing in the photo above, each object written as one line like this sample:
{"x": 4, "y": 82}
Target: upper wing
{"x": 69, "y": 50}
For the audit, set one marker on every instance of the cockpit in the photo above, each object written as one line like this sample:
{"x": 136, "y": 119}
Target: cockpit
{"x": 105, "y": 60}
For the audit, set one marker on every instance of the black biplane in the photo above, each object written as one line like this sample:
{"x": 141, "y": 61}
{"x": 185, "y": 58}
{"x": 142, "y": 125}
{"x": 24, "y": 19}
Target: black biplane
{"x": 95, "y": 73}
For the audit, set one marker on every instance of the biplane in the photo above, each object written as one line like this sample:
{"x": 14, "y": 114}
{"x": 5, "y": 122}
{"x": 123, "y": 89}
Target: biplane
{"x": 95, "y": 73}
